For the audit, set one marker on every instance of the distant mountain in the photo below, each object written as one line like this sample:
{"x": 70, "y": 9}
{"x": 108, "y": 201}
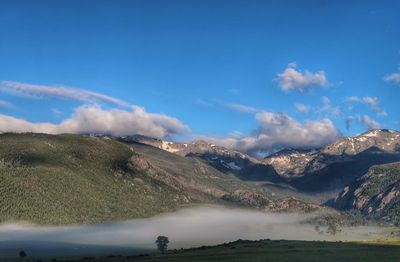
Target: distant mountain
{"x": 319, "y": 170}
{"x": 337, "y": 164}
{"x": 342, "y": 162}
{"x": 290, "y": 162}
{"x": 376, "y": 194}
{"x": 382, "y": 139}
{"x": 225, "y": 160}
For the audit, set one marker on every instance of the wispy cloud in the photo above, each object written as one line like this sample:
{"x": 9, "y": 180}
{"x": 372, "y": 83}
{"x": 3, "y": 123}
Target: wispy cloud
{"x": 372, "y": 102}
{"x": 327, "y": 108}
{"x": 71, "y": 93}
{"x": 364, "y": 120}
{"x": 5, "y": 104}
{"x": 302, "y": 108}
{"x": 301, "y": 81}
{"x": 202, "y": 102}
{"x": 393, "y": 77}
{"x": 241, "y": 108}
{"x": 56, "y": 112}
{"x": 369, "y": 122}
{"x": 232, "y": 106}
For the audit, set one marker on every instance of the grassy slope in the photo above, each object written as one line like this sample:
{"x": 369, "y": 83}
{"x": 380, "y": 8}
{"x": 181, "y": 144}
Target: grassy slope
{"x": 279, "y": 251}
{"x": 70, "y": 179}
{"x": 67, "y": 179}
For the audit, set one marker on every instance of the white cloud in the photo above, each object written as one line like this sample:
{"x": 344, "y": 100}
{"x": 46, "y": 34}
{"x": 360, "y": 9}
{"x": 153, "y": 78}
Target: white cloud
{"x": 94, "y": 119}
{"x": 90, "y": 118}
{"x": 364, "y": 120}
{"x": 233, "y": 106}
{"x": 372, "y": 102}
{"x": 301, "y": 81}
{"x": 369, "y": 122}
{"x": 278, "y": 130}
{"x": 302, "y": 108}
{"x": 30, "y": 90}
{"x": 393, "y": 77}
{"x": 241, "y": 108}
{"x": 352, "y": 99}
{"x": 327, "y": 108}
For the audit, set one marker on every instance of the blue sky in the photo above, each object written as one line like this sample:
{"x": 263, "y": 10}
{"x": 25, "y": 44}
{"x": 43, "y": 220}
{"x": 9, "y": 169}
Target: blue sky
{"x": 214, "y": 66}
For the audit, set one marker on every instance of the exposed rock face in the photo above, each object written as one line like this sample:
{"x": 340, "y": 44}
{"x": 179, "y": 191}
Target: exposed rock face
{"x": 290, "y": 163}
{"x": 375, "y": 194}
{"x": 385, "y": 140}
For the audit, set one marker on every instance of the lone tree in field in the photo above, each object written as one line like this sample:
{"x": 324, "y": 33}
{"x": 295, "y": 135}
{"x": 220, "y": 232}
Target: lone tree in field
{"x": 162, "y": 243}
{"x": 22, "y": 254}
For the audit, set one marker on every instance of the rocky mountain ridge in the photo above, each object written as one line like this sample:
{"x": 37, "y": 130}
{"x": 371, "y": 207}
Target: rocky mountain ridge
{"x": 330, "y": 167}
{"x": 225, "y": 160}
{"x": 376, "y": 194}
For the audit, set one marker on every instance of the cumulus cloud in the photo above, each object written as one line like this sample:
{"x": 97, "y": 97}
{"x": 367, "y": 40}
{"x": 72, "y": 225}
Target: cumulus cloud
{"x": 90, "y": 117}
{"x": 31, "y": 90}
{"x": 302, "y": 108}
{"x": 278, "y": 130}
{"x": 93, "y": 119}
{"x": 301, "y": 81}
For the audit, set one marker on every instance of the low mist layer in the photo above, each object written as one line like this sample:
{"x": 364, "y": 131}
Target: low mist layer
{"x": 190, "y": 227}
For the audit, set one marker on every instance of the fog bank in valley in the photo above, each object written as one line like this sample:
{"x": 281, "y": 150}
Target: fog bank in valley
{"x": 189, "y": 227}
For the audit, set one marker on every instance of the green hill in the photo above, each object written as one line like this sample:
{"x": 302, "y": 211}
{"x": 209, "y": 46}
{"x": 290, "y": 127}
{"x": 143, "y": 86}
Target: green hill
{"x": 65, "y": 179}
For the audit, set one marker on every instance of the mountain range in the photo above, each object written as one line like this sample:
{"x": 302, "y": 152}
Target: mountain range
{"x": 318, "y": 170}
{"x": 64, "y": 179}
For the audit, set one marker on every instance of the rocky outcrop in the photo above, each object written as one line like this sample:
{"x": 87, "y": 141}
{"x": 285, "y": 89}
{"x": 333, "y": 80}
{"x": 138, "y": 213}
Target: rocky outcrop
{"x": 290, "y": 163}
{"x": 376, "y": 194}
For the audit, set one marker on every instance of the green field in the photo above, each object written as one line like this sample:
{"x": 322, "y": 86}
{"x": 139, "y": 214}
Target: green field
{"x": 276, "y": 250}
